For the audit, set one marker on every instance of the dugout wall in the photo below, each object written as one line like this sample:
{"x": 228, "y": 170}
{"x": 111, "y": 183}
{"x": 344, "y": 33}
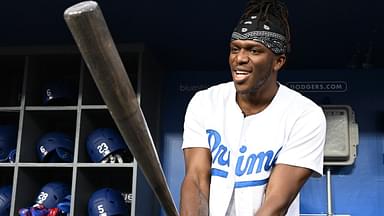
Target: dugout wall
{"x": 24, "y": 71}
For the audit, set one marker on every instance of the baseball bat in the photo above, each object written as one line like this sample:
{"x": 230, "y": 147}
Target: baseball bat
{"x": 92, "y": 36}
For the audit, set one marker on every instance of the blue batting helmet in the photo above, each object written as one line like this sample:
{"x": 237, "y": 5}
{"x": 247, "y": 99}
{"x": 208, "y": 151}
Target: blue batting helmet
{"x": 58, "y": 92}
{"x": 8, "y": 138}
{"x": 103, "y": 142}
{"x": 55, "y": 147}
{"x": 108, "y": 201}
{"x": 53, "y": 193}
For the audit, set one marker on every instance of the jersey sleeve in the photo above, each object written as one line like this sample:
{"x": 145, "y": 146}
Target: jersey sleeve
{"x": 305, "y": 145}
{"x": 194, "y": 134}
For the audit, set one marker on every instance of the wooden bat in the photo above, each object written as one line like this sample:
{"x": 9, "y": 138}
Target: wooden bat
{"x": 90, "y": 31}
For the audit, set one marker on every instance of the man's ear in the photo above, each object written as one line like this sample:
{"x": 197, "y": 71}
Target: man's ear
{"x": 279, "y": 62}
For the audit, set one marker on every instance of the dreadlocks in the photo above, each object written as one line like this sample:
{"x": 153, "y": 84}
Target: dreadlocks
{"x": 267, "y": 8}
{"x": 265, "y": 21}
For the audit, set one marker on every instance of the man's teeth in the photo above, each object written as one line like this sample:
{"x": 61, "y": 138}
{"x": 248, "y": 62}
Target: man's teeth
{"x": 241, "y": 72}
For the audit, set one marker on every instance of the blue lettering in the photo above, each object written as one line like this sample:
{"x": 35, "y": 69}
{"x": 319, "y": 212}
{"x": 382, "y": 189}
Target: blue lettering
{"x": 269, "y": 166}
{"x": 245, "y": 165}
{"x": 242, "y": 184}
{"x": 266, "y": 158}
{"x": 238, "y": 170}
{"x": 219, "y": 172}
{"x": 213, "y": 136}
{"x": 261, "y": 157}
{"x": 214, "y": 141}
{"x": 221, "y": 154}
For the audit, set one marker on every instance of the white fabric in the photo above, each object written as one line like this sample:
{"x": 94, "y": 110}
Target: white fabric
{"x": 291, "y": 130}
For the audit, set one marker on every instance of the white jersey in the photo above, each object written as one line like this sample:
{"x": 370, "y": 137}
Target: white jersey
{"x": 290, "y": 130}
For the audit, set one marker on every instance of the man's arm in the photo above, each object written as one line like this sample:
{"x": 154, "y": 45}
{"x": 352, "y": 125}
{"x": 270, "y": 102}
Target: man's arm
{"x": 305, "y": 148}
{"x": 283, "y": 186}
{"x": 195, "y": 187}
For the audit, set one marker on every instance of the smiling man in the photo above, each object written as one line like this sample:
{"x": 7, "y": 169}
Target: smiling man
{"x": 250, "y": 144}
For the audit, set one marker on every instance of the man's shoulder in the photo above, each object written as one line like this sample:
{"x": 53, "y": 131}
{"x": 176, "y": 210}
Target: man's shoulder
{"x": 297, "y": 99}
{"x": 221, "y": 87}
{"x": 297, "y": 104}
{"x": 217, "y": 91}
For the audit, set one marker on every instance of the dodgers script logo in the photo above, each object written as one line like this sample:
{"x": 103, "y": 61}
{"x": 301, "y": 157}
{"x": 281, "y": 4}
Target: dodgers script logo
{"x": 247, "y": 163}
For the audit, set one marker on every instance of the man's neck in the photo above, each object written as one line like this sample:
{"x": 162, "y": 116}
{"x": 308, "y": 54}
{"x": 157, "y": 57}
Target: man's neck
{"x": 255, "y": 102}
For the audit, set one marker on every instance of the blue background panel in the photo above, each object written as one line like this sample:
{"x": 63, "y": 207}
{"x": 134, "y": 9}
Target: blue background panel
{"x": 357, "y": 189}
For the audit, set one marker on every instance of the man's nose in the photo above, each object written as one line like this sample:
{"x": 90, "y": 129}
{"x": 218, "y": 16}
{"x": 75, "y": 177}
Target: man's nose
{"x": 242, "y": 57}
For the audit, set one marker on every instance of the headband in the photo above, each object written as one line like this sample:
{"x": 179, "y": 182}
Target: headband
{"x": 265, "y": 32}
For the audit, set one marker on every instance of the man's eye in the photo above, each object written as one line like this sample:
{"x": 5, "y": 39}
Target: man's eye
{"x": 254, "y": 51}
{"x": 234, "y": 49}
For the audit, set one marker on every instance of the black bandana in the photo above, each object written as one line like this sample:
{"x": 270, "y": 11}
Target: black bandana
{"x": 266, "y": 32}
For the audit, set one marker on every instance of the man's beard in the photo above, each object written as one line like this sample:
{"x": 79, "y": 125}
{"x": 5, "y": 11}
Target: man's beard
{"x": 255, "y": 88}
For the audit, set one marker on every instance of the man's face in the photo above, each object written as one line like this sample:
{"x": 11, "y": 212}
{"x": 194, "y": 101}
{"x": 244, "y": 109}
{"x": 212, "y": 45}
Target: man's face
{"x": 253, "y": 65}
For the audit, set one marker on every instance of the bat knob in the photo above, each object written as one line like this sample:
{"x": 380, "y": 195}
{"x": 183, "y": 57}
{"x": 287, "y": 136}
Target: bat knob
{"x": 79, "y": 8}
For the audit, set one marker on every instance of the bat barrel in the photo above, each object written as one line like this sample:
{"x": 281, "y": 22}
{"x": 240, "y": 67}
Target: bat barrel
{"x": 90, "y": 31}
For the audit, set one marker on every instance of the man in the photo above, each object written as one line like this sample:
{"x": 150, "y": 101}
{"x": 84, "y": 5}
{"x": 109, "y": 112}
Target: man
{"x": 250, "y": 144}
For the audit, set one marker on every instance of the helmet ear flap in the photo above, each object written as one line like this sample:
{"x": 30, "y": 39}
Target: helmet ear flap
{"x": 65, "y": 205}
{"x": 5, "y": 199}
{"x": 64, "y": 154}
{"x": 8, "y": 139}
{"x": 12, "y": 156}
